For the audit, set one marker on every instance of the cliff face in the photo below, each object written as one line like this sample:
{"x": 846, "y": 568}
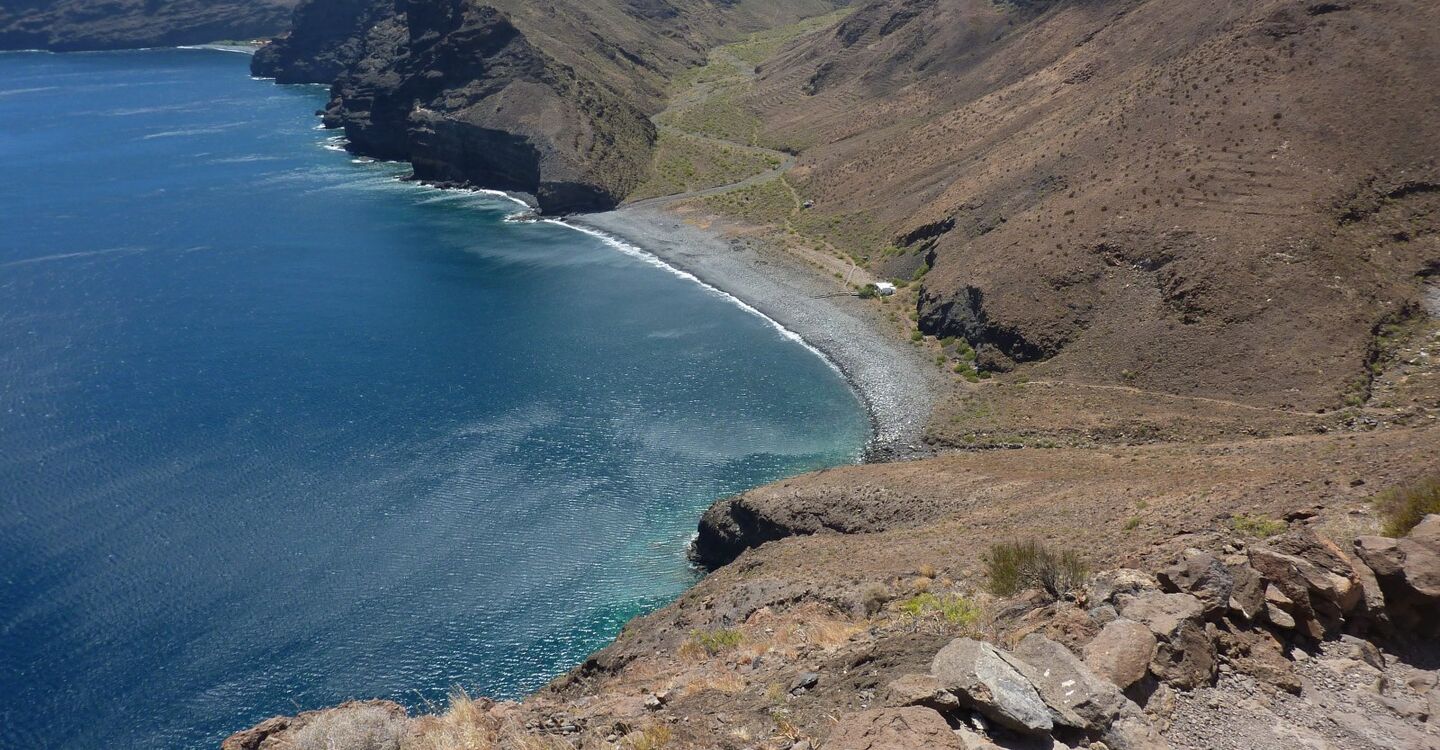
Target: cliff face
{"x": 553, "y": 101}
{"x": 1115, "y": 192}
{"x": 73, "y": 25}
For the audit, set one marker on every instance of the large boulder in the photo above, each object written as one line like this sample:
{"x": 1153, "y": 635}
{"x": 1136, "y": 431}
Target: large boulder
{"x": 1121, "y": 652}
{"x": 1068, "y": 686}
{"x": 1322, "y": 582}
{"x": 1185, "y": 655}
{"x": 993, "y": 683}
{"x": 1408, "y": 571}
{"x": 1203, "y": 576}
{"x": 912, "y": 728}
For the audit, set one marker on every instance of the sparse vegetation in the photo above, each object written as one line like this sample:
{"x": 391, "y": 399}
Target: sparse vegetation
{"x": 1403, "y": 508}
{"x": 653, "y": 737}
{"x": 683, "y": 163}
{"x": 715, "y": 641}
{"x": 1013, "y": 567}
{"x": 1256, "y": 525}
{"x": 952, "y": 609}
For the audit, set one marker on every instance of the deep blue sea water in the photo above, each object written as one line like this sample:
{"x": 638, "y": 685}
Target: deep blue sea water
{"x": 278, "y": 430}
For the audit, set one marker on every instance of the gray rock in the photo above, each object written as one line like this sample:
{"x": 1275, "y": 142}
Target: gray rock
{"x": 982, "y": 677}
{"x": 1108, "y": 586}
{"x": 1068, "y": 686}
{"x": 1121, "y": 653}
{"x": 1133, "y": 732}
{"x": 804, "y": 681}
{"x": 1201, "y": 575}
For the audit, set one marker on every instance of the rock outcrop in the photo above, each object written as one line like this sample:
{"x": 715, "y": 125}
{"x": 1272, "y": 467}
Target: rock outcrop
{"x": 75, "y": 25}
{"x": 553, "y": 101}
{"x": 1408, "y": 571}
{"x": 457, "y": 90}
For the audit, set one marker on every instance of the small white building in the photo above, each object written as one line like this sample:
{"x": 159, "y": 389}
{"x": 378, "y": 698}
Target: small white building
{"x": 884, "y": 288}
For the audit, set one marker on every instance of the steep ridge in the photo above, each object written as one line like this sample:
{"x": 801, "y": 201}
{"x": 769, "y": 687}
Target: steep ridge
{"x": 74, "y": 25}
{"x": 1225, "y": 201}
{"x": 549, "y": 99}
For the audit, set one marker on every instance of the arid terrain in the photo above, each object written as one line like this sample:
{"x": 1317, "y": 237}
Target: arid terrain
{"x": 1175, "y": 270}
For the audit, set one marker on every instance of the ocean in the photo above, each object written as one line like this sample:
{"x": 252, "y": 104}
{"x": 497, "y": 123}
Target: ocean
{"x": 278, "y": 429}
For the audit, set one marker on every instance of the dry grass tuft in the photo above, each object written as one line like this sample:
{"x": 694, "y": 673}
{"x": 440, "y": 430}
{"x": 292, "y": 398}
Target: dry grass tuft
{"x": 469, "y": 724}
{"x": 1403, "y": 508}
{"x": 353, "y": 728}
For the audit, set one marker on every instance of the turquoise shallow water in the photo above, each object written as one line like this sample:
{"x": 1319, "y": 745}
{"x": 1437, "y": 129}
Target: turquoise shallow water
{"x": 278, "y": 430}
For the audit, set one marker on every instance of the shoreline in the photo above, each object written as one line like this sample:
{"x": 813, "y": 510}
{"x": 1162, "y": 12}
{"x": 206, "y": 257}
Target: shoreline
{"x": 896, "y": 387}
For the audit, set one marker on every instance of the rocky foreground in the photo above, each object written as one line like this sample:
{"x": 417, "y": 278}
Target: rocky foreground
{"x": 1289, "y": 641}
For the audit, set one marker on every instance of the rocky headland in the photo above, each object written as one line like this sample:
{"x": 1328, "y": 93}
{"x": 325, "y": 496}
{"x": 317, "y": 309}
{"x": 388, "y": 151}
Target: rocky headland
{"x": 76, "y": 25}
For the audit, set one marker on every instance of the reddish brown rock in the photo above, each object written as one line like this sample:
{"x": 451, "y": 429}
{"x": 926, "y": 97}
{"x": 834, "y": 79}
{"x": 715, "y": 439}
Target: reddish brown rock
{"x": 912, "y": 728}
{"x": 1122, "y": 651}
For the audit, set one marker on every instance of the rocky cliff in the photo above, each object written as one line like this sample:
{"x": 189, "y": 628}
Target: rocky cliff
{"x": 548, "y": 100}
{"x": 73, "y": 25}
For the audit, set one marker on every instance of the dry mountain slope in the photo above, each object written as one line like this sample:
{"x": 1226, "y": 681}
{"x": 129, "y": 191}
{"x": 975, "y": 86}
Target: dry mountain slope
{"x": 1216, "y": 198}
{"x": 552, "y": 99}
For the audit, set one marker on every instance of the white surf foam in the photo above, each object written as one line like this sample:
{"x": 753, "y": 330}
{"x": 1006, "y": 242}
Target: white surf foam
{"x": 652, "y": 259}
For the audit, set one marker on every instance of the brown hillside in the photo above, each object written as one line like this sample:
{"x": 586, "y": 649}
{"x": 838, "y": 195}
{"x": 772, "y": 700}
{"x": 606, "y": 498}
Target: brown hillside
{"x": 1220, "y": 198}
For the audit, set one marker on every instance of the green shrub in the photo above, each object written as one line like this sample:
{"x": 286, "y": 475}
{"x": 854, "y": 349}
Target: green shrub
{"x": 1132, "y": 523}
{"x": 1013, "y": 567}
{"x": 1404, "y": 507}
{"x": 1256, "y": 526}
{"x": 952, "y": 608}
{"x": 715, "y": 641}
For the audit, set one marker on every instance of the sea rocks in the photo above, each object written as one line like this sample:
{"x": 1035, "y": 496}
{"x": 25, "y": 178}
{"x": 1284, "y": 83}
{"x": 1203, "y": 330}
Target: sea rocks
{"x": 1121, "y": 652}
{"x": 989, "y": 681}
{"x": 912, "y": 728}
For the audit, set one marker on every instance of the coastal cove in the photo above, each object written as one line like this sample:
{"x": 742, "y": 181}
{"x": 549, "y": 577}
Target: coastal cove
{"x": 282, "y": 430}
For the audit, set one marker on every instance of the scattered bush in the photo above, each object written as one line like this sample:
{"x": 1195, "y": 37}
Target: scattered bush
{"x": 715, "y": 641}
{"x": 1013, "y": 567}
{"x": 951, "y": 608}
{"x": 1404, "y": 507}
{"x": 353, "y": 728}
{"x": 1256, "y": 526}
{"x": 653, "y": 737}
{"x": 1132, "y": 523}
{"x": 874, "y": 599}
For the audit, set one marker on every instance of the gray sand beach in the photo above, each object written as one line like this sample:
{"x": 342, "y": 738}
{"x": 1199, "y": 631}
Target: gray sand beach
{"x": 897, "y": 385}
